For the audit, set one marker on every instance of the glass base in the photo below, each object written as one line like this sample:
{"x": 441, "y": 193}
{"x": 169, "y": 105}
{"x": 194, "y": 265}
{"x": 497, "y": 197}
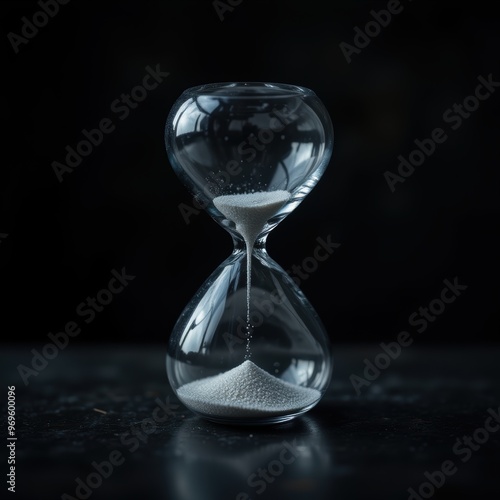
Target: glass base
{"x": 254, "y": 421}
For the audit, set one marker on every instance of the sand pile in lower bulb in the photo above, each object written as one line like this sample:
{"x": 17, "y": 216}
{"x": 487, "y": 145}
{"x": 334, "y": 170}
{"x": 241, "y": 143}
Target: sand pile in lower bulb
{"x": 245, "y": 391}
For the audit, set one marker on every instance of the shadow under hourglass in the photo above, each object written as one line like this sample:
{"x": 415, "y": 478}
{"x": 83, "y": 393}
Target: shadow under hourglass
{"x": 214, "y": 462}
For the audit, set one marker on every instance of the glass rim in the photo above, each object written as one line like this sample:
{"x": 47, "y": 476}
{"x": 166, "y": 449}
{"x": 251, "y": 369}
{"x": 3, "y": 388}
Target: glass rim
{"x": 248, "y": 89}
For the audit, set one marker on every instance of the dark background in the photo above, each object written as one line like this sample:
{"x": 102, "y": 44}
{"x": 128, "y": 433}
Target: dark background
{"x": 119, "y": 207}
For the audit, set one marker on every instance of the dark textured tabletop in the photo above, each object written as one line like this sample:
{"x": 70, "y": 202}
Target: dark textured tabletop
{"x": 101, "y": 422}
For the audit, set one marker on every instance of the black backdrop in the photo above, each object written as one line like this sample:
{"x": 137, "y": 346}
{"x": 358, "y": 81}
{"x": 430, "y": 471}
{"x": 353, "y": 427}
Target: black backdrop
{"x": 119, "y": 208}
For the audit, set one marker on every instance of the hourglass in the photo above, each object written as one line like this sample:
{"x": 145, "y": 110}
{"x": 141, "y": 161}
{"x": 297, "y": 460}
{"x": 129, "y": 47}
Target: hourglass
{"x": 249, "y": 348}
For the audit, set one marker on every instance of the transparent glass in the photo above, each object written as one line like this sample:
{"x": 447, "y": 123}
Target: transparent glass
{"x": 249, "y": 348}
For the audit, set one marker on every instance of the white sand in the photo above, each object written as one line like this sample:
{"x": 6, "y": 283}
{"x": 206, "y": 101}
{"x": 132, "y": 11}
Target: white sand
{"x": 250, "y": 212}
{"x": 246, "y": 391}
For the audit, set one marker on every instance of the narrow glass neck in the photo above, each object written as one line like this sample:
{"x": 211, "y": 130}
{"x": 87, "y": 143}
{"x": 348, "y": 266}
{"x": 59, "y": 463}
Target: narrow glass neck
{"x": 240, "y": 246}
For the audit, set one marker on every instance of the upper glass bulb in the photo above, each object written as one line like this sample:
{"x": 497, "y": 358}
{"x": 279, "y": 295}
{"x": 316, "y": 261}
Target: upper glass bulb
{"x": 244, "y": 137}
